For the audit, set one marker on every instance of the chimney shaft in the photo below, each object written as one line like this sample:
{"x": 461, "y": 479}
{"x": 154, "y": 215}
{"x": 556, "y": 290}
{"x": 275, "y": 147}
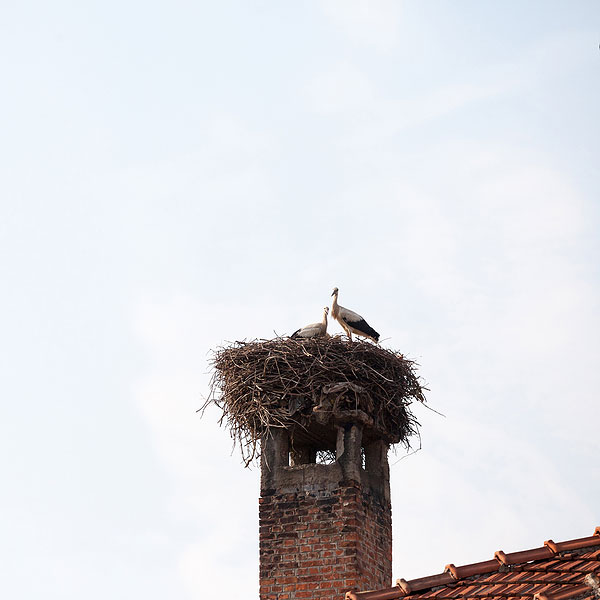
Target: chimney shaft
{"x": 324, "y": 528}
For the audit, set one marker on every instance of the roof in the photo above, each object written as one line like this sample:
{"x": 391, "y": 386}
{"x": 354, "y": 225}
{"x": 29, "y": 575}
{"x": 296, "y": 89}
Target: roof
{"x": 555, "y": 571}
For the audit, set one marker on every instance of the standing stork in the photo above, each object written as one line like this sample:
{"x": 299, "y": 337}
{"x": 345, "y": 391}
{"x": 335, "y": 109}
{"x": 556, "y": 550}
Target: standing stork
{"x": 350, "y": 321}
{"x": 314, "y": 329}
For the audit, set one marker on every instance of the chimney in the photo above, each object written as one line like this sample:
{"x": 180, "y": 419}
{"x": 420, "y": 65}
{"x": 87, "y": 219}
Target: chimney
{"x": 324, "y": 528}
{"x": 322, "y": 414}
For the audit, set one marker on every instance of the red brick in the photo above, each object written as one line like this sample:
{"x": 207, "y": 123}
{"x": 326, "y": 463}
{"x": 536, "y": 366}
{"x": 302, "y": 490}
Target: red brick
{"x": 329, "y": 542}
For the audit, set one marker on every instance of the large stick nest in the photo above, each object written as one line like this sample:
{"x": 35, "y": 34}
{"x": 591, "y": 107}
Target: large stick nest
{"x": 293, "y": 383}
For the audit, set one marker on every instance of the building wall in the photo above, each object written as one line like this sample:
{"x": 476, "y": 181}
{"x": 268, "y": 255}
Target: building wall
{"x": 317, "y": 544}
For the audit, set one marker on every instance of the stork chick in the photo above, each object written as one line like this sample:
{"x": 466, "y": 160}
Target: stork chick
{"x": 314, "y": 329}
{"x": 350, "y": 321}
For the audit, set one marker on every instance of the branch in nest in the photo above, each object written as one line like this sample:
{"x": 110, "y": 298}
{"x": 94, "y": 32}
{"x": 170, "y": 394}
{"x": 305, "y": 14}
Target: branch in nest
{"x": 282, "y": 382}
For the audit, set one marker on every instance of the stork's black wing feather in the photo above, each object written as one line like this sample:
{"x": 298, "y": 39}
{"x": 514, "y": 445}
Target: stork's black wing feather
{"x": 363, "y": 327}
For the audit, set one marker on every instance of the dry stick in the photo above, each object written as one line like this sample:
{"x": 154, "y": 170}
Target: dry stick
{"x": 253, "y": 398}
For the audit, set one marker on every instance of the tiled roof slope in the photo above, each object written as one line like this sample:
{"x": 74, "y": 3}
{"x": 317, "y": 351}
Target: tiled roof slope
{"x": 557, "y": 571}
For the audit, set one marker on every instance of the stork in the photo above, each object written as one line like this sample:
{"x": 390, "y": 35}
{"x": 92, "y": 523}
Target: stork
{"x": 314, "y": 329}
{"x": 350, "y": 321}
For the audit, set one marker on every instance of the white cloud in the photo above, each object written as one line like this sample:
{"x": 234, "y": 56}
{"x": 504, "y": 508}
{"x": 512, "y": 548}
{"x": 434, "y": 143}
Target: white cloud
{"x": 373, "y": 23}
{"x": 343, "y": 90}
{"x": 215, "y": 568}
{"x": 480, "y": 490}
{"x": 489, "y": 246}
{"x": 470, "y": 241}
{"x": 348, "y": 94}
{"x": 207, "y": 480}
{"x": 228, "y": 160}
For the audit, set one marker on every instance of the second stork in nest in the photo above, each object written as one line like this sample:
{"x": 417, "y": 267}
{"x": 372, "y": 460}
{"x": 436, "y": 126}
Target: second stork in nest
{"x": 314, "y": 329}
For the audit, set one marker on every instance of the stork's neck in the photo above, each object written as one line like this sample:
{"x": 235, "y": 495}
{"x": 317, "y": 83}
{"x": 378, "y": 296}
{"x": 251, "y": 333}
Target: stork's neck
{"x": 334, "y": 306}
{"x": 324, "y": 317}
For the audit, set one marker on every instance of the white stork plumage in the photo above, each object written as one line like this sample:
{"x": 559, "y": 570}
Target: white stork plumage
{"x": 350, "y": 321}
{"x": 314, "y": 329}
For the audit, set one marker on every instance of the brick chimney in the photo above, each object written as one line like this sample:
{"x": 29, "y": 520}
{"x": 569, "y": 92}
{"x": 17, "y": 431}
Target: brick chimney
{"x": 324, "y": 528}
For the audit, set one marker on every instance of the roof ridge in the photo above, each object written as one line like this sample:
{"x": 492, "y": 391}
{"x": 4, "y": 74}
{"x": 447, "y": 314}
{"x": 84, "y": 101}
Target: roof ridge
{"x": 501, "y": 562}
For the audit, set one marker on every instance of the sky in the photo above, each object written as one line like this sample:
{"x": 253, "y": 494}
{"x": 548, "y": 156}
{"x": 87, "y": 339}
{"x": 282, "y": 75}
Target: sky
{"x": 177, "y": 176}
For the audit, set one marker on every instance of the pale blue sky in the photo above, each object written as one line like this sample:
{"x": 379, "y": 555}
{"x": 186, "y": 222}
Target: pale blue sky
{"x": 174, "y": 175}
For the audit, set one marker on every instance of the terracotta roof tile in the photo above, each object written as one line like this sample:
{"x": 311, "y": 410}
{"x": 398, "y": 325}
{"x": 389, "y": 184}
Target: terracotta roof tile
{"x": 503, "y": 576}
{"x": 445, "y": 592}
{"x": 467, "y": 590}
{"x": 588, "y": 566}
{"x": 480, "y": 568}
{"x": 497, "y": 589}
{"x": 576, "y": 544}
{"x": 493, "y": 577}
{"x": 425, "y": 582}
{"x": 570, "y": 565}
{"x": 550, "y": 576}
{"x": 571, "y": 592}
{"x": 551, "y": 564}
{"x": 546, "y": 588}
{"x": 386, "y": 594}
{"x": 554, "y": 571}
{"x": 576, "y": 578}
{"x": 525, "y": 556}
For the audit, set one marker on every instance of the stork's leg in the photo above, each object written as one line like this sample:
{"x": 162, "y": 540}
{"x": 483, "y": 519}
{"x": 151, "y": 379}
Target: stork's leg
{"x": 348, "y": 332}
